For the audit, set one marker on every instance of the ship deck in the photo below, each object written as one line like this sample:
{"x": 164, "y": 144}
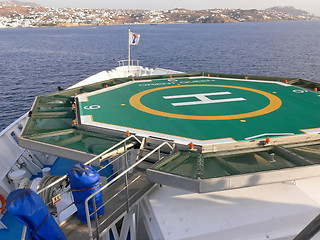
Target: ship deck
{"x": 246, "y": 131}
{"x": 242, "y": 128}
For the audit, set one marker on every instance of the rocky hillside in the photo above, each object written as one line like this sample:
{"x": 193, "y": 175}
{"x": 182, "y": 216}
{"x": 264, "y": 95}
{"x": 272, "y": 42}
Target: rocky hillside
{"x": 22, "y": 14}
{"x": 21, "y": 4}
{"x": 289, "y": 10}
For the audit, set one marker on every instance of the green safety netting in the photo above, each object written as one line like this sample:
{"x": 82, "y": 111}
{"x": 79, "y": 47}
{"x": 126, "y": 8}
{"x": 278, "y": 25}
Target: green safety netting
{"x": 196, "y": 165}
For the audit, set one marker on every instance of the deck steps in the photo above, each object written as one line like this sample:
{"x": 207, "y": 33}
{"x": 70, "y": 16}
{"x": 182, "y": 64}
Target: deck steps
{"x": 152, "y": 159}
{"x": 115, "y": 208}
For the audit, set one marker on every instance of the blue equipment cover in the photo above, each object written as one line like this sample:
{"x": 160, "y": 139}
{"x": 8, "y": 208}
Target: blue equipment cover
{"x": 84, "y": 181}
{"x": 30, "y": 210}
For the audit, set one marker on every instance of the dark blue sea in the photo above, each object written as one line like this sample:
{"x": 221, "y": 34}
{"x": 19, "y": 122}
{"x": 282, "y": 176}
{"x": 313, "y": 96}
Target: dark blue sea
{"x": 35, "y": 61}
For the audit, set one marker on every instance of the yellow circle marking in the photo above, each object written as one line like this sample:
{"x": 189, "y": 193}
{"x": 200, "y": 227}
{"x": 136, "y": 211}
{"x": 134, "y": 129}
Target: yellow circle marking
{"x": 274, "y": 104}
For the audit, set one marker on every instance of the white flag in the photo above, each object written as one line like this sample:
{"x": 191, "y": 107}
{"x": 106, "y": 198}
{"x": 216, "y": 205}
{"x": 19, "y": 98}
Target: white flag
{"x": 134, "y": 38}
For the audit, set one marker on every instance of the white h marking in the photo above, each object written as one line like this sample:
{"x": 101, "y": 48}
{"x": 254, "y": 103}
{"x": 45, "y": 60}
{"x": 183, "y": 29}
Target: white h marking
{"x": 203, "y": 99}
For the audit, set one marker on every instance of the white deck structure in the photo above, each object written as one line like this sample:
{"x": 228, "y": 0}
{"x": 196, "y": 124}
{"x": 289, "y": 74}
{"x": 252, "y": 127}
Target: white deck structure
{"x": 274, "y": 211}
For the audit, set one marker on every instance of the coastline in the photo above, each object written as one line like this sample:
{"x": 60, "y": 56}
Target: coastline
{"x": 151, "y": 24}
{"x": 18, "y": 16}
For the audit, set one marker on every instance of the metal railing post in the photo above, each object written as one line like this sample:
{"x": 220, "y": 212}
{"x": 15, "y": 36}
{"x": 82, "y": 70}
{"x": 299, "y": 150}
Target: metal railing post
{"x": 159, "y": 155}
{"x": 88, "y": 219}
{"x": 126, "y": 175}
{"x": 24, "y": 232}
{"x": 96, "y": 216}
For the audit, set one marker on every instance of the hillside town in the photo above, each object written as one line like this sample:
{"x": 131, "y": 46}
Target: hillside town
{"x": 14, "y": 14}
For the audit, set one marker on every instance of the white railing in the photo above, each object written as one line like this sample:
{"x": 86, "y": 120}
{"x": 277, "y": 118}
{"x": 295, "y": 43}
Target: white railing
{"x": 126, "y": 63}
{"x": 101, "y": 158}
{"x": 123, "y": 174}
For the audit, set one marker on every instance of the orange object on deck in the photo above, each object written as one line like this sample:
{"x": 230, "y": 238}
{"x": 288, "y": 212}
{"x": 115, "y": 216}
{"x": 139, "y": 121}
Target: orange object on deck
{"x": 267, "y": 140}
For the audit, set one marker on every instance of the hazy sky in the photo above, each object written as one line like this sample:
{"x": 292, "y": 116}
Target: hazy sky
{"x": 312, "y": 6}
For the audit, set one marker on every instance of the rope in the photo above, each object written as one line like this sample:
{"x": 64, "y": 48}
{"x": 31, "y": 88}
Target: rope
{"x": 62, "y": 236}
{"x": 79, "y": 190}
{"x": 39, "y": 226}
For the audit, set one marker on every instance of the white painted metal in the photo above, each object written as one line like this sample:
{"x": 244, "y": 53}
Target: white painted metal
{"x": 2, "y": 226}
{"x": 129, "y": 224}
{"x": 14, "y": 158}
{"x": 274, "y": 211}
{"x": 121, "y": 72}
{"x": 203, "y": 99}
{"x": 24, "y": 232}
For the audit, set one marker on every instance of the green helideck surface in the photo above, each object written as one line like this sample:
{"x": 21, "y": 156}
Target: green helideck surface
{"x": 298, "y": 108}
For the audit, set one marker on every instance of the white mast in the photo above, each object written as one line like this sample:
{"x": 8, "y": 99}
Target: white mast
{"x": 133, "y": 40}
{"x": 129, "y": 52}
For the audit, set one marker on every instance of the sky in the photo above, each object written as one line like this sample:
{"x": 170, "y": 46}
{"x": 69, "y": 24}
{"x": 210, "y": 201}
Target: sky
{"x": 312, "y": 6}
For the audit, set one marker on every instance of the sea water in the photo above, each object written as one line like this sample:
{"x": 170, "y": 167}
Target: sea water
{"x": 35, "y": 61}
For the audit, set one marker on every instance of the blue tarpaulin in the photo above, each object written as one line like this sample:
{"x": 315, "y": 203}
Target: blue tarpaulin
{"x": 84, "y": 181}
{"x": 30, "y": 210}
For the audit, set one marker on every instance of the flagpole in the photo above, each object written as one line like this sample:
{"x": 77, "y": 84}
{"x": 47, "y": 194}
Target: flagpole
{"x": 129, "y": 52}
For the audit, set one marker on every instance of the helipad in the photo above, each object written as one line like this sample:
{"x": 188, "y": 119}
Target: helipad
{"x": 204, "y": 110}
